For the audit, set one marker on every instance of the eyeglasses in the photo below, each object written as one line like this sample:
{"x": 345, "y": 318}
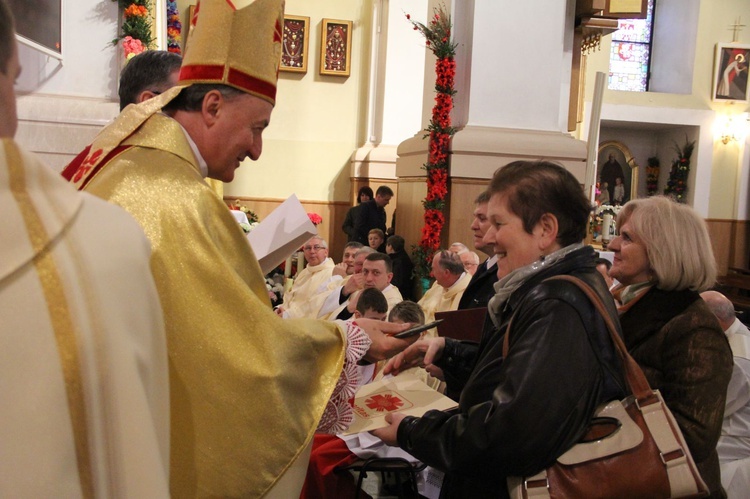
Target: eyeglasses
{"x": 317, "y": 247}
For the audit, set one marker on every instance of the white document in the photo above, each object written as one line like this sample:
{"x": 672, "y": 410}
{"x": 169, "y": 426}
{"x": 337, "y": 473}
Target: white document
{"x": 281, "y": 233}
{"x": 404, "y": 393}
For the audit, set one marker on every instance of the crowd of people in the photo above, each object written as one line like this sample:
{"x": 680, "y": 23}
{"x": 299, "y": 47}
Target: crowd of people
{"x": 142, "y": 356}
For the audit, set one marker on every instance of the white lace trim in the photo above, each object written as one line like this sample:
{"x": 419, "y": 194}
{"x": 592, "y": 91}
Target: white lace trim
{"x": 338, "y": 412}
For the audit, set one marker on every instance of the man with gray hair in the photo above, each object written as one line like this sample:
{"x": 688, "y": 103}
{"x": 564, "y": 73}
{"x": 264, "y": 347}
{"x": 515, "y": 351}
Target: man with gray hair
{"x": 450, "y": 282}
{"x": 734, "y": 443}
{"x": 304, "y": 300}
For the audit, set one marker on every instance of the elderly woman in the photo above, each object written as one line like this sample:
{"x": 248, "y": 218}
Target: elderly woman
{"x": 663, "y": 259}
{"x": 517, "y": 415}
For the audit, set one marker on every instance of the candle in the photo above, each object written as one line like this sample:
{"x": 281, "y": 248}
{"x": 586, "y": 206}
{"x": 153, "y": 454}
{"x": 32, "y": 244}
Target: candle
{"x": 593, "y": 138}
{"x": 606, "y": 223}
{"x": 288, "y": 267}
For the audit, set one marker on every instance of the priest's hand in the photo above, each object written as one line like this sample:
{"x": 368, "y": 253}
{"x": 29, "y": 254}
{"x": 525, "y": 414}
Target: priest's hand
{"x": 353, "y": 300}
{"x": 355, "y": 282}
{"x": 422, "y": 354}
{"x": 384, "y": 344}
{"x": 389, "y": 434}
{"x": 339, "y": 269}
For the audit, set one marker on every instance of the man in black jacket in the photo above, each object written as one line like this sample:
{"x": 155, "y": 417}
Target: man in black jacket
{"x": 481, "y": 287}
{"x": 403, "y": 268}
{"x": 371, "y": 214}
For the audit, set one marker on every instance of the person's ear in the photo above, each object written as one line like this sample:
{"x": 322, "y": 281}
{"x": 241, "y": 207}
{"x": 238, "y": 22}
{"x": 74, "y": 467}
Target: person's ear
{"x": 212, "y": 105}
{"x": 390, "y": 276}
{"x": 357, "y": 315}
{"x": 144, "y": 96}
{"x": 547, "y": 229}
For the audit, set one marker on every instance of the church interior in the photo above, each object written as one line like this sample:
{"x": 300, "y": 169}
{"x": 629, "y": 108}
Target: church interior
{"x": 525, "y": 82}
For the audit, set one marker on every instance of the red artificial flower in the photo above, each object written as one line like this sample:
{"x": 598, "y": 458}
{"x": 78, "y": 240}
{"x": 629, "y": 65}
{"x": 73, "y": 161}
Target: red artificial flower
{"x": 315, "y": 218}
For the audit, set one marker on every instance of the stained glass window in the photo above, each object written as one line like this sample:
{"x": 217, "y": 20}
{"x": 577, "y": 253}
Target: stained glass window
{"x": 630, "y": 52}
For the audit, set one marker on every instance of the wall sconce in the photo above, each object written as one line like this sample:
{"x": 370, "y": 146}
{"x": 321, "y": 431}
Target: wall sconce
{"x": 731, "y": 128}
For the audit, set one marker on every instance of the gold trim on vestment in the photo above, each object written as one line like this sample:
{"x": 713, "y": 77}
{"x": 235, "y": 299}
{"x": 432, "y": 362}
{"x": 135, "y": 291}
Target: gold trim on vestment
{"x": 60, "y": 316}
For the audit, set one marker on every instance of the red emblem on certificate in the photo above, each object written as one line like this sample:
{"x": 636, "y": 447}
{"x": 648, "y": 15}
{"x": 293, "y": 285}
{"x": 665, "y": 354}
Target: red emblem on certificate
{"x": 381, "y": 403}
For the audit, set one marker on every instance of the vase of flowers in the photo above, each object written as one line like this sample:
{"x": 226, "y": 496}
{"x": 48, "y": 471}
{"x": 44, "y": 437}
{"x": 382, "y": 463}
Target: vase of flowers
{"x": 678, "y": 177}
{"x": 136, "y": 27}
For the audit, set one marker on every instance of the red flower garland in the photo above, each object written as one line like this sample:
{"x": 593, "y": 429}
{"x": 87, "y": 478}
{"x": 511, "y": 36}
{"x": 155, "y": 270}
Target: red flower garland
{"x": 438, "y": 39}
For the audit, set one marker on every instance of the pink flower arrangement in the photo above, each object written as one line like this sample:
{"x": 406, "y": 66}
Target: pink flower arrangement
{"x": 132, "y": 47}
{"x": 315, "y": 219}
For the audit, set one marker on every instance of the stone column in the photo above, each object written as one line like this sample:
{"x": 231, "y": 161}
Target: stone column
{"x": 513, "y": 82}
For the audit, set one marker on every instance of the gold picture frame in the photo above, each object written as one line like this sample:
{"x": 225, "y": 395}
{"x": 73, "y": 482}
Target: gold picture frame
{"x": 335, "y": 47}
{"x": 294, "y": 44}
{"x": 613, "y": 154}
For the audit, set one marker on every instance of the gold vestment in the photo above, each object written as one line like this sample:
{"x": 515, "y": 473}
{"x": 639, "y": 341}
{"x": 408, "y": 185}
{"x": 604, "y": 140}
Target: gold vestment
{"x": 246, "y": 388}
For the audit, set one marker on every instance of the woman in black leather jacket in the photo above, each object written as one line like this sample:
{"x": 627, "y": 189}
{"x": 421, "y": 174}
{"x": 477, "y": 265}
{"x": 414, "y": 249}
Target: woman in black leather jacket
{"x": 517, "y": 415}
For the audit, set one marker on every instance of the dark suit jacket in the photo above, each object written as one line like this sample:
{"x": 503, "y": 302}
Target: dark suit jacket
{"x": 370, "y": 216}
{"x": 480, "y": 288}
{"x": 402, "y": 274}
{"x": 348, "y": 226}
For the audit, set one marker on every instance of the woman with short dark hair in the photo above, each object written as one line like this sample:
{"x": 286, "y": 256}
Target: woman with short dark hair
{"x": 518, "y": 413}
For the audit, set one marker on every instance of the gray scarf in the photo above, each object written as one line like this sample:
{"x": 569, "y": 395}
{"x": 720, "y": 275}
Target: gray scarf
{"x": 511, "y": 282}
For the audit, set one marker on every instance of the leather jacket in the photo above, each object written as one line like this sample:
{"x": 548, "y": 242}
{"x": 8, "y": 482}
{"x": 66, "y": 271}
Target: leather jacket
{"x": 517, "y": 415}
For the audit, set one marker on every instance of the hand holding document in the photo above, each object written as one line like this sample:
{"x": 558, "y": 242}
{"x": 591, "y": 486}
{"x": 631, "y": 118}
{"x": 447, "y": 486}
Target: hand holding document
{"x": 404, "y": 393}
{"x": 281, "y": 233}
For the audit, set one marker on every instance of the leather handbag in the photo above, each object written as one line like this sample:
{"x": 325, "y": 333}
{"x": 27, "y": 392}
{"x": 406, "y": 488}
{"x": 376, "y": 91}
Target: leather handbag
{"x": 632, "y": 448}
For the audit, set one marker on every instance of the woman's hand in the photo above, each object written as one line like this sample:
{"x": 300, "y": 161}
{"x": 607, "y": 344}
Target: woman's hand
{"x": 389, "y": 434}
{"x": 422, "y": 353}
{"x": 384, "y": 345}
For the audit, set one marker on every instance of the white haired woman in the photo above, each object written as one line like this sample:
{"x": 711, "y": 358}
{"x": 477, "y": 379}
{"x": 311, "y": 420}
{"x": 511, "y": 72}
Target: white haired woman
{"x": 663, "y": 260}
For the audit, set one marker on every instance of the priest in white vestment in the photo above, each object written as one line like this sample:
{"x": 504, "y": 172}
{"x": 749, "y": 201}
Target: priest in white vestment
{"x": 84, "y": 384}
{"x": 304, "y": 299}
{"x": 338, "y": 290}
{"x": 734, "y": 444}
{"x": 450, "y": 282}
{"x": 377, "y": 272}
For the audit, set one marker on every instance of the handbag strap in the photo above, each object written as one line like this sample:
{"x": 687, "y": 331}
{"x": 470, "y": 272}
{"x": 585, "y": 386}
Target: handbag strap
{"x": 634, "y": 376}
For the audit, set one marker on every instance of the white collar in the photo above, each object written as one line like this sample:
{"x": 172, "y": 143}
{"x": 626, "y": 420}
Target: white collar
{"x": 737, "y": 327}
{"x": 202, "y": 165}
{"x": 457, "y": 281}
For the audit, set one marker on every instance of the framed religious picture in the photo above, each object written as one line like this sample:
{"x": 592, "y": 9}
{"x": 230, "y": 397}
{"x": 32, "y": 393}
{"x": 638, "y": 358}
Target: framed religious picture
{"x": 295, "y": 39}
{"x": 730, "y": 72}
{"x": 335, "y": 47}
{"x": 616, "y": 173}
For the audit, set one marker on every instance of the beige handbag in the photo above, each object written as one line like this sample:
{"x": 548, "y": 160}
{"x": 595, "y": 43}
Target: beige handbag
{"x": 633, "y": 447}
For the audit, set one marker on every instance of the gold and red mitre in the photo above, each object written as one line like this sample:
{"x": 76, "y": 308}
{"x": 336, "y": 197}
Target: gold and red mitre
{"x": 237, "y": 43}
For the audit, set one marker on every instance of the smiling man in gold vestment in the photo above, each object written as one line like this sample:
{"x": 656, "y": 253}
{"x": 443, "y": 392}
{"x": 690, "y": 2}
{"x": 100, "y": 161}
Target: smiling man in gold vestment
{"x": 247, "y": 388}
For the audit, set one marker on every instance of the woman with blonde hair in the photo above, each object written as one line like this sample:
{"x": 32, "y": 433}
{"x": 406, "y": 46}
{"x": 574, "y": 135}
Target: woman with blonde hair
{"x": 663, "y": 260}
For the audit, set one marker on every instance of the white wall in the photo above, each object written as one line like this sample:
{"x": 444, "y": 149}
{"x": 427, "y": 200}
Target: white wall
{"x": 89, "y": 67}
{"x": 404, "y": 67}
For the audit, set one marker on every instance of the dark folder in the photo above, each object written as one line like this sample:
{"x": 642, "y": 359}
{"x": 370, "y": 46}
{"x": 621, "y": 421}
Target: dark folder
{"x": 462, "y": 324}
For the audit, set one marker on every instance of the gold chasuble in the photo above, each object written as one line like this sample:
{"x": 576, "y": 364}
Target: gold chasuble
{"x": 247, "y": 387}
